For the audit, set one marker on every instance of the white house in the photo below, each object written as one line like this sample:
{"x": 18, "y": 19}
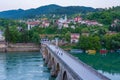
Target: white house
{"x": 32, "y": 24}
{"x": 45, "y": 23}
{"x": 75, "y": 37}
{"x": 2, "y": 38}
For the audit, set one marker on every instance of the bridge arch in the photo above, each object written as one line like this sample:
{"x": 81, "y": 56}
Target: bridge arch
{"x": 46, "y": 55}
{"x": 46, "y": 51}
{"x": 57, "y": 68}
{"x": 53, "y": 62}
{"x": 49, "y": 56}
{"x": 64, "y": 76}
{"x": 49, "y": 61}
{"x": 53, "y": 73}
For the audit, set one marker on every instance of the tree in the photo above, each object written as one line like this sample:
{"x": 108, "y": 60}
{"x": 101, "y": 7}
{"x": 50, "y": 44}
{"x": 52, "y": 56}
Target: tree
{"x": 91, "y": 42}
{"x": 14, "y": 34}
{"x": 112, "y": 41}
{"x": 7, "y": 34}
{"x": 85, "y": 30}
{"x": 67, "y": 36}
{"x": 35, "y": 37}
{"x": 83, "y": 42}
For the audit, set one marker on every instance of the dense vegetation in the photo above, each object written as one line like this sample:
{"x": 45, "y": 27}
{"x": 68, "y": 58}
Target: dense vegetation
{"x": 106, "y": 16}
{"x": 110, "y": 42}
{"x": 15, "y": 31}
{"x": 12, "y": 34}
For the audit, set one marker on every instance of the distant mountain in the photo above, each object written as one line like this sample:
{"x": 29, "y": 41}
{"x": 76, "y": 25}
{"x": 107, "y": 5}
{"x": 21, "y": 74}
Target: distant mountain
{"x": 49, "y": 9}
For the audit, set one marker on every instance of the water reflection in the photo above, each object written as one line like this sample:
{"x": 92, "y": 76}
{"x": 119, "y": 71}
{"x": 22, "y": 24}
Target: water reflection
{"x": 108, "y": 65}
{"x": 2, "y": 67}
{"x": 23, "y": 66}
{"x": 112, "y": 76}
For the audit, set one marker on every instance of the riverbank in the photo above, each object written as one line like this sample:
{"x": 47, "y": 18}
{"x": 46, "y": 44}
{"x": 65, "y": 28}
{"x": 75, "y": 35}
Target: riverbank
{"x": 19, "y": 47}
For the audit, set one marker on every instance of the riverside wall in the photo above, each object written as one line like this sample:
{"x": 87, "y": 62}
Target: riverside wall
{"x": 19, "y": 47}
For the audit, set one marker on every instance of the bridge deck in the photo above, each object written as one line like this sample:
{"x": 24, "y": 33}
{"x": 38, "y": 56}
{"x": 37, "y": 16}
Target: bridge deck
{"x": 80, "y": 69}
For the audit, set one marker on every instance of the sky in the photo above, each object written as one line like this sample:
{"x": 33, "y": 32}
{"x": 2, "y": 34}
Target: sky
{"x": 27, "y": 4}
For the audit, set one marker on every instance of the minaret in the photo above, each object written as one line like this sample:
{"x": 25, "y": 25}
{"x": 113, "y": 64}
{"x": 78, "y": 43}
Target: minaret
{"x": 65, "y": 18}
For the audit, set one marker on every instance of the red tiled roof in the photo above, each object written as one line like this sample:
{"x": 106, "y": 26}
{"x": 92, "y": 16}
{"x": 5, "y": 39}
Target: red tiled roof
{"x": 33, "y": 23}
{"x": 74, "y": 37}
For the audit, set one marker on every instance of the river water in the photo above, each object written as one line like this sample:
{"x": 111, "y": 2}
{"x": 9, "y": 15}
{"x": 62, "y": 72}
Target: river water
{"x": 23, "y": 66}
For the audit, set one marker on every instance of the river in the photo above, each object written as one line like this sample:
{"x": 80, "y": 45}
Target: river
{"x": 23, "y": 66}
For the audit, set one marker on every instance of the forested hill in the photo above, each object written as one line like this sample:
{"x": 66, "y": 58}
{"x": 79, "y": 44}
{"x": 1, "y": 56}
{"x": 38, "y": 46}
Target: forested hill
{"x": 106, "y": 16}
{"x": 49, "y": 9}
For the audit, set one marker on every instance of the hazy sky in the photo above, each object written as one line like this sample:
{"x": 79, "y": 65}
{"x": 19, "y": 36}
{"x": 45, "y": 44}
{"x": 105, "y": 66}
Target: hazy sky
{"x": 27, "y": 4}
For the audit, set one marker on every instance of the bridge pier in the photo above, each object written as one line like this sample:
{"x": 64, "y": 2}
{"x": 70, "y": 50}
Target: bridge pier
{"x": 49, "y": 64}
{"x": 46, "y": 60}
{"x": 63, "y": 75}
{"x": 45, "y": 55}
{"x": 59, "y": 76}
{"x": 52, "y": 71}
{"x": 49, "y": 61}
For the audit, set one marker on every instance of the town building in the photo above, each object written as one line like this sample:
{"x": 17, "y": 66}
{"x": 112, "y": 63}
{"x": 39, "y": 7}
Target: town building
{"x": 32, "y": 24}
{"x": 111, "y": 33}
{"x": 78, "y": 19}
{"x": 75, "y": 37}
{"x": 85, "y": 34}
{"x": 115, "y": 22}
{"x": 63, "y": 22}
{"x": 90, "y": 23}
{"x": 2, "y": 38}
{"x": 45, "y": 23}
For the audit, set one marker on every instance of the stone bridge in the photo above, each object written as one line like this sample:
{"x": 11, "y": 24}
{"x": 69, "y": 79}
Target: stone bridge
{"x": 66, "y": 67}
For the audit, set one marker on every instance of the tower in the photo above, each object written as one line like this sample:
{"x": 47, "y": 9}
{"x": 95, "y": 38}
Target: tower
{"x": 65, "y": 18}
